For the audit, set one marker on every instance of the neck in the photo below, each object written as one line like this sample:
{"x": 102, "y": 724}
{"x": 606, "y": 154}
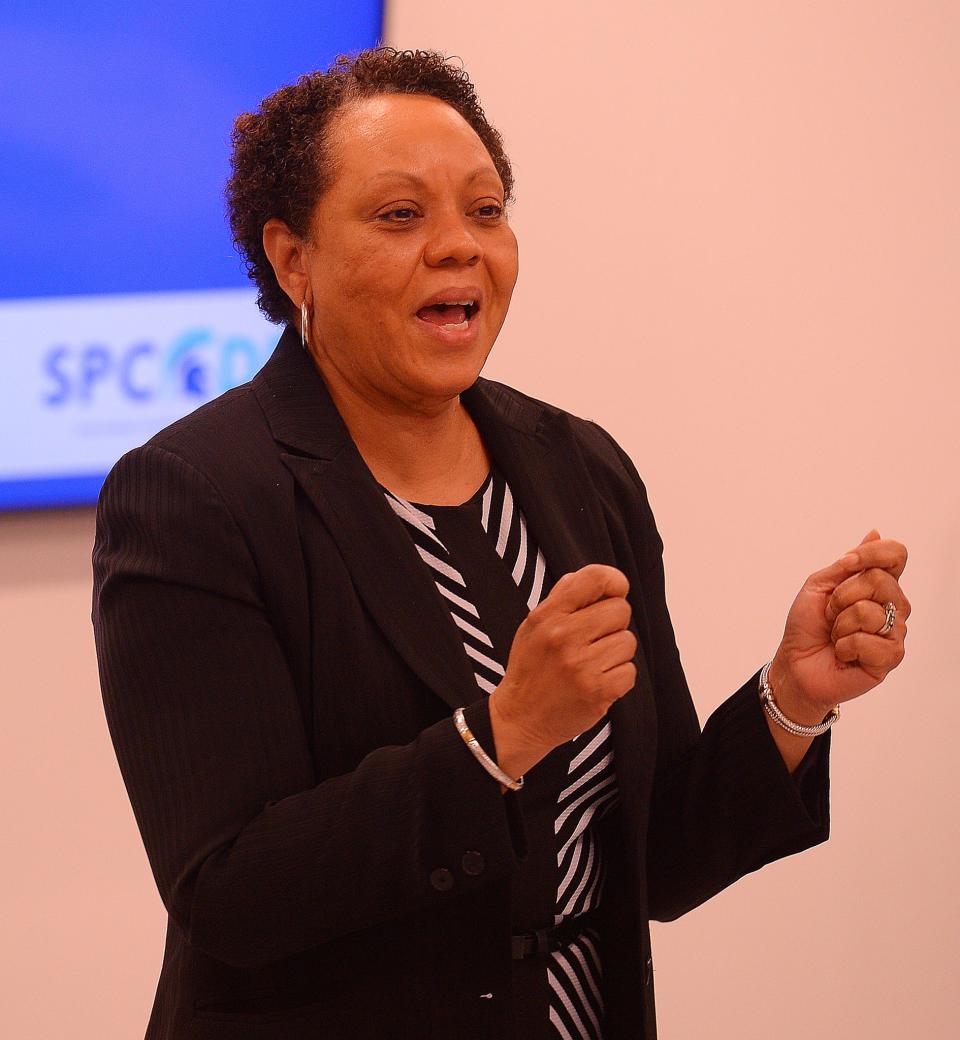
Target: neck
{"x": 423, "y": 449}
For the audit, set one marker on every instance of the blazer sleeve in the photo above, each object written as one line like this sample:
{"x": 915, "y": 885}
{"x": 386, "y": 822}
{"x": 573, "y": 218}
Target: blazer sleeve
{"x": 254, "y": 859}
{"x": 723, "y": 802}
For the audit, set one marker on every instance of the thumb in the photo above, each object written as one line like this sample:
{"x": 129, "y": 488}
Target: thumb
{"x": 847, "y": 565}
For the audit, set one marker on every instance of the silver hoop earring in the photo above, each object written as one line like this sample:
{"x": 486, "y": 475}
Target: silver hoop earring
{"x": 304, "y": 322}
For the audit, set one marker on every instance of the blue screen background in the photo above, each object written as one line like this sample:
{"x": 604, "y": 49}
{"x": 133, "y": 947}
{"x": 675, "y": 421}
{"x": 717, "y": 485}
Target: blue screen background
{"x": 115, "y": 121}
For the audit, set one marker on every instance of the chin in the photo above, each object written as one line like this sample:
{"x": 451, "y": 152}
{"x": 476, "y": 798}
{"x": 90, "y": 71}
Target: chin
{"x": 447, "y": 381}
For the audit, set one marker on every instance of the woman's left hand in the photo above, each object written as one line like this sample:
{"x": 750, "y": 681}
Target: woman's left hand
{"x": 830, "y": 650}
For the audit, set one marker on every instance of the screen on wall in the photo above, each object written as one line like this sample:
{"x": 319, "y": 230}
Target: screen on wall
{"x": 123, "y": 304}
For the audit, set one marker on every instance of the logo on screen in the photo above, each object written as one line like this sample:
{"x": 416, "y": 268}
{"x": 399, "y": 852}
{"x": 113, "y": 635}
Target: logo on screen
{"x": 196, "y": 366}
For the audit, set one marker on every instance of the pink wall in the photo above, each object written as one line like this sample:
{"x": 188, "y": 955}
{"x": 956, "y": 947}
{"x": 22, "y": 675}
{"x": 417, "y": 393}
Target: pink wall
{"x": 738, "y": 224}
{"x": 740, "y": 252}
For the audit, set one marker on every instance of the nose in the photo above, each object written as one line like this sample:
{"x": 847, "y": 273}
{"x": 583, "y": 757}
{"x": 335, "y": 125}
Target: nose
{"x": 452, "y": 240}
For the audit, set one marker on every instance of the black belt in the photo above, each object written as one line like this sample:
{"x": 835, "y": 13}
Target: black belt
{"x": 541, "y": 941}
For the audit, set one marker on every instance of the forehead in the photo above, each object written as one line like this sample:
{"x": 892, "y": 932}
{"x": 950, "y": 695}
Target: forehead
{"x": 413, "y": 132}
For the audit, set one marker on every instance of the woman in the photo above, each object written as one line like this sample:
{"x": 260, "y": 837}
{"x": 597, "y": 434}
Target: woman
{"x": 384, "y": 648}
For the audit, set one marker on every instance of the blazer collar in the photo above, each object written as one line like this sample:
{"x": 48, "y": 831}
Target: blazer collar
{"x": 535, "y": 448}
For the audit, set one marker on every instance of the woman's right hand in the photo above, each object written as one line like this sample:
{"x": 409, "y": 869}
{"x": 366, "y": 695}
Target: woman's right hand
{"x": 571, "y": 658}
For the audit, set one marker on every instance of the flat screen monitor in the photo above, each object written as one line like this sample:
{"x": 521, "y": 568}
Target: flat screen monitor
{"x": 123, "y": 303}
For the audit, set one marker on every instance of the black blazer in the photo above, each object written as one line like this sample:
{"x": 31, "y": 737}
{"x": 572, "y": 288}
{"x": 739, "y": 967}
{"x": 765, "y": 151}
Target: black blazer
{"x": 279, "y": 675}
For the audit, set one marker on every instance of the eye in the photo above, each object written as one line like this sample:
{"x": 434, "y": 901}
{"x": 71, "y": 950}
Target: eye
{"x": 497, "y": 210}
{"x": 402, "y": 209}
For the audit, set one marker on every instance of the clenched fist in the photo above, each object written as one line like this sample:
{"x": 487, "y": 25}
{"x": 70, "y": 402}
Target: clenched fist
{"x": 571, "y": 658}
{"x": 831, "y": 650}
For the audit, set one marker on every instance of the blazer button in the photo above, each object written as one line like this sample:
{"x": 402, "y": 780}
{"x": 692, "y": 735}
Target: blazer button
{"x": 472, "y": 862}
{"x": 648, "y": 971}
{"x": 441, "y": 879}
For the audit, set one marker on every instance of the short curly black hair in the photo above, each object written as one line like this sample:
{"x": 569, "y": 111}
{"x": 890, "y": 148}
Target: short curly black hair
{"x": 279, "y": 159}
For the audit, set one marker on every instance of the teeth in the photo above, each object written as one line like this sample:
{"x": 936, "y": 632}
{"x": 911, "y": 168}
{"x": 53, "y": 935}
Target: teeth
{"x": 456, "y": 303}
{"x": 459, "y": 325}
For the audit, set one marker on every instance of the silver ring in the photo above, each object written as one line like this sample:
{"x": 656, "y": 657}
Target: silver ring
{"x": 891, "y": 610}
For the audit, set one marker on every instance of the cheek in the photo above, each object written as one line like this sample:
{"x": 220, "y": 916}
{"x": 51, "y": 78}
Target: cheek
{"x": 503, "y": 260}
{"x": 364, "y": 287}
{"x": 379, "y": 272}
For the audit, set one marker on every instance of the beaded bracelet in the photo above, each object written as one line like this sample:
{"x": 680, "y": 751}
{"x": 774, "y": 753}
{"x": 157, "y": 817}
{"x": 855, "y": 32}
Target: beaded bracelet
{"x": 485, "y": 760}
{"x": 773, "y": 710}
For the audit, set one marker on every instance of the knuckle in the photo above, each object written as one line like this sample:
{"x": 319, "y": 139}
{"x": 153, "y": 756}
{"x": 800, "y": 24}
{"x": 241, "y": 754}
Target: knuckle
{"x": 877, "y": 578}
{"x": 629, "y": 641}
{"x": 889, "y": 582}
{"x": 553, "y": 634}
{"x": 626, "y": 679}
{"x": 606, "y": 684}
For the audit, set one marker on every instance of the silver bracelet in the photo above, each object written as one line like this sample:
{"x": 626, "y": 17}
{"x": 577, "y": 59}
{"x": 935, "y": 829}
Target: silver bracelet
{"x": 485, "y": 760}
{"x": 773, "y": 710}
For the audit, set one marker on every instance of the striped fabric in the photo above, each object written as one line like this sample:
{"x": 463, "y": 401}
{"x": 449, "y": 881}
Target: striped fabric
{"x": 574, "y": 971}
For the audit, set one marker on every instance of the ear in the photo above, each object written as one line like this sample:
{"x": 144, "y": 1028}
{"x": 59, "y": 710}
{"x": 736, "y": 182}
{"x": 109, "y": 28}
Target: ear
{"x": 287, "y": 254}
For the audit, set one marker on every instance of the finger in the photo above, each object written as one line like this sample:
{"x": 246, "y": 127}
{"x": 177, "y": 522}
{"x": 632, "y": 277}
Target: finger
{"x": 887, "y": 553}
{"x": 883, "y": 552}
{"x": 830, "y": 576}
{"x": 592, "y": 582}
{"x": 866, "y": 615}
{"x": 838, "y": 571}
{"x": 875, "y": 584}
{"x": 870, "y": 651}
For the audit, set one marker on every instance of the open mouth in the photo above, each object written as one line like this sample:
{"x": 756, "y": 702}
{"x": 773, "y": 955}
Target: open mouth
{"x": 453, "y": 315}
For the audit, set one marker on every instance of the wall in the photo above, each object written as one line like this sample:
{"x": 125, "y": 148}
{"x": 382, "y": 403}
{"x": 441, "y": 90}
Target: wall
{"x": 739, "y": 253}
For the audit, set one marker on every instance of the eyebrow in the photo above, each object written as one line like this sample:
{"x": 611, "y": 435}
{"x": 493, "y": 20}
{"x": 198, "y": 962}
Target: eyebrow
{"x": 404, "y": 175}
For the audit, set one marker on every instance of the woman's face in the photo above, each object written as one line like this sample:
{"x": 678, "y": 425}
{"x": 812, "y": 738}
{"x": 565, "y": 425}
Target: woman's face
{"x": 415, "y": 211}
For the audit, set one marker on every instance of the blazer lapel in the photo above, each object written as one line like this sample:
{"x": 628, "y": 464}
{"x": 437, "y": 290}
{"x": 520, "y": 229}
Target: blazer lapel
{"x": 536, "y": 450}
{"x": 550, "y": 482}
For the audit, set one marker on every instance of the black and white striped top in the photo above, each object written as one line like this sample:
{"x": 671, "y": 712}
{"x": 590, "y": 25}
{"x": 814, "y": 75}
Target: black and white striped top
{"x": 566, "y": 794}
